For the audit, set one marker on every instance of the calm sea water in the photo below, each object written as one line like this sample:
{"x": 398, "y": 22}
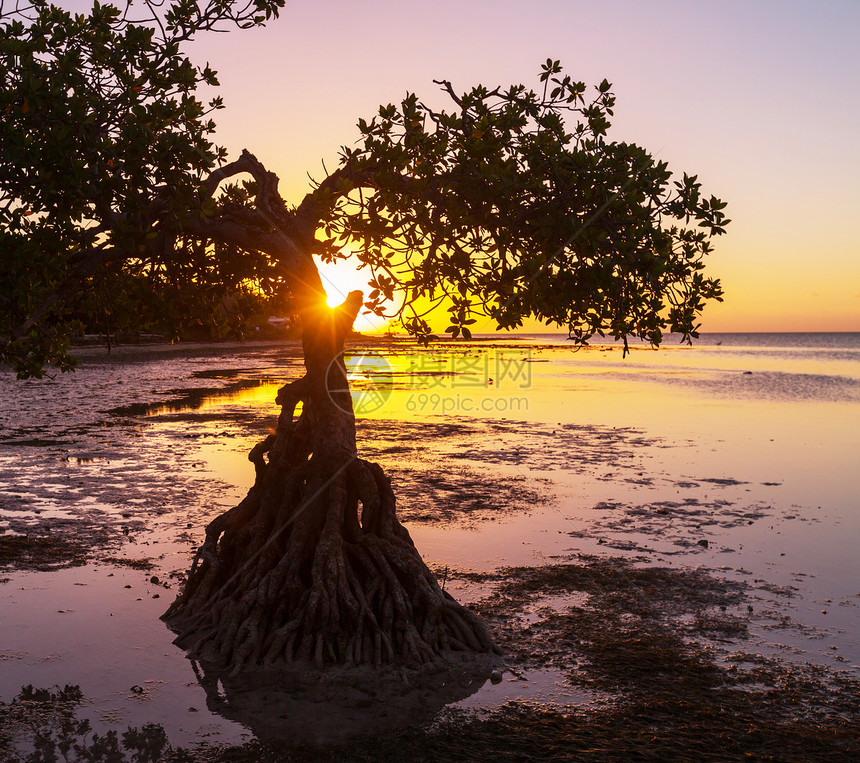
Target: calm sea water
{"x": 763, "y": 366}
{"x": 784, "y": 340}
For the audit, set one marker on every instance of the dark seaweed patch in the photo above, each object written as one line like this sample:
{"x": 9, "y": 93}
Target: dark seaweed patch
{"x": 22, "y": 552}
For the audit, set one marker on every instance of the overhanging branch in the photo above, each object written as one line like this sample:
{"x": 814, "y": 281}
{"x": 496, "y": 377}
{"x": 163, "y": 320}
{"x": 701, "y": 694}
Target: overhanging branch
{"x": 268, "y": 199}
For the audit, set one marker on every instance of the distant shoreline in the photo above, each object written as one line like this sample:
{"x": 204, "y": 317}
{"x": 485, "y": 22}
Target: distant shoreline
{"x": 99, "y": 353}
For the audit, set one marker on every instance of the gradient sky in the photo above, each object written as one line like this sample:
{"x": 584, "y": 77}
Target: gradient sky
{"x": 760, "y": 99}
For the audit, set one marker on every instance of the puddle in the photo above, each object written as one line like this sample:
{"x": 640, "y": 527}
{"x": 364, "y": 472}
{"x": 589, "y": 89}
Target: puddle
{"x": 547, "y": 686}
{"x": 97, "y": 627}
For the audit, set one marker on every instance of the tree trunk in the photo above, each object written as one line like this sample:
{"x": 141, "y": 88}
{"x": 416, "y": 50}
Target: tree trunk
{"x": 313, "y": 565}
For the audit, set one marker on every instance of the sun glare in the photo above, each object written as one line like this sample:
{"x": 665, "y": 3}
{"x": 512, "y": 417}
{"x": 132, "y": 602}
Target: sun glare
{"x": 339, "y": 279}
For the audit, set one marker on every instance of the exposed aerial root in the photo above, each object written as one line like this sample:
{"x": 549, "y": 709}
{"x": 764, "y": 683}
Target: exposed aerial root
{"x": 313, "y": 566}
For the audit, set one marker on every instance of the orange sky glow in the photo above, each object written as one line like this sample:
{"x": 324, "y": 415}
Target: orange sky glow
{"x": 759, "y": 99}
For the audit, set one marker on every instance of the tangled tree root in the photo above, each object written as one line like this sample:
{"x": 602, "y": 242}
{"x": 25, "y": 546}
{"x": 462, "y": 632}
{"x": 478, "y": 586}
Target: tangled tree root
{"x": 313, "y": 566}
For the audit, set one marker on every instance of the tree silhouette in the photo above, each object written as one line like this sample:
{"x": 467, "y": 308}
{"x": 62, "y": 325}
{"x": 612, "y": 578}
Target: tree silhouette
{"x": 511, "y": 204}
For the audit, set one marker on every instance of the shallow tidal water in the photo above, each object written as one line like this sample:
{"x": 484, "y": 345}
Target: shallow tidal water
{"x": 737, "y": 456}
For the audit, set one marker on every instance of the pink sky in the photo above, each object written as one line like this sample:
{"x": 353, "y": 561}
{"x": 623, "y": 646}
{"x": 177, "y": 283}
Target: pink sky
{"x": 760, "y": 99}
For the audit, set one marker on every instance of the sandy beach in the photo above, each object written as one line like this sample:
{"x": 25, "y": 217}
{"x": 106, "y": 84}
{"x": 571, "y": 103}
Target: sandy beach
{"x": 683, "y": 518}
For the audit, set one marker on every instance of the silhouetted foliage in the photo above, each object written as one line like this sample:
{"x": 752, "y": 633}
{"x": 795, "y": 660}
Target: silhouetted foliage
{"x": 103, "y": 145}
{"x": 499, "y": 208}
{"x": 496, "y": 208}
{"x": 109, "y": 188}
{"x": 46, "y": 721}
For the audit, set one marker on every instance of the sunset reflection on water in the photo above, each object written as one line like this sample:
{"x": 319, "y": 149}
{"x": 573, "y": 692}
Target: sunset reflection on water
{"x": 781, "y": 424}
{"x": 499, "y": 454}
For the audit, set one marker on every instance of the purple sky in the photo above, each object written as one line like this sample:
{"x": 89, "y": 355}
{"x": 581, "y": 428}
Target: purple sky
{"x": 761, "y": 99}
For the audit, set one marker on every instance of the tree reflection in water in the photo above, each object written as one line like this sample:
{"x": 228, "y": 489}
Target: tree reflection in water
{"x": 294, "y": 708}
{"x": 322, "y": 707}
{"x": 43, "y": 725}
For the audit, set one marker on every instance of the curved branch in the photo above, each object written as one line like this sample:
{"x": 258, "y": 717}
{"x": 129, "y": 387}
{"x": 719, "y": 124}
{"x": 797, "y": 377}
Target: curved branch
{"x": 339, "y": 183}
{"x": 270, "y": 227}
{"x": 268, "y": 199}
{"x": 449, "y": 88}
{"x": 246, "y": 234}
{"x": 348, "y": 178}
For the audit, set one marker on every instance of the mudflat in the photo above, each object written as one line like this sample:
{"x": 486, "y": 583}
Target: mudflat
{"x": 661, "y": 558}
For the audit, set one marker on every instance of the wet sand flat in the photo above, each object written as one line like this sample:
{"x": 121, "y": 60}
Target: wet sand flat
{"x": 692, "y": 509}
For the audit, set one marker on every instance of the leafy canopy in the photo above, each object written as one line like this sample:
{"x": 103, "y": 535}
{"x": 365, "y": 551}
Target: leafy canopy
{"x": 514, "y": 203}
{"x": 103, "y": 145}
{"x": 502, "y": 211}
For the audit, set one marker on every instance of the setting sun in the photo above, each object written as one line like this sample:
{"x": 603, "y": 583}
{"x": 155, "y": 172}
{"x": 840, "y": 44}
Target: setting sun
{"x": 342, "y": 277}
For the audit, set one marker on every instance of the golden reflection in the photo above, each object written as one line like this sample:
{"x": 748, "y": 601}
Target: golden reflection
{"x": 686, "y": 388}
{"x": 256, "y": 395}
{"x": 692, "y": 413}
{"x": 261, "y": 394}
